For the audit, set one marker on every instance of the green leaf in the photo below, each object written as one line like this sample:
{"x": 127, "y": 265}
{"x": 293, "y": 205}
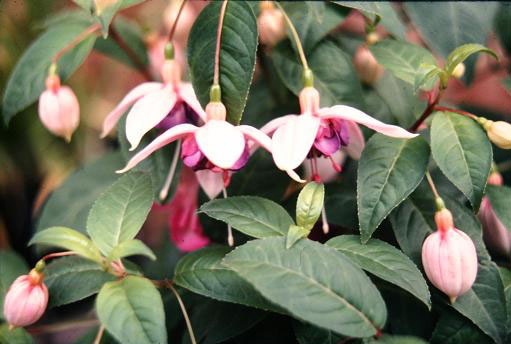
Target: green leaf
{"x": 119, "y": 213}
{"x": 68, "y": 239}
{"x": 505, "y": 275}
{"x": 341, "y": 204}
{"x": 27, "y": 81}
{"x": 459, "y": 23}
{"x": 130, "y": 248}
{"x": 15, "y": 336}
{"x": 453, "y": 328}
{"x": 309, "y": 205}
{"x": 132, "y": 311}
{"x": 237, "y": 55}
{"x": 371, "y": 7}
{"x": 395, "y": 339}
{"x": 70, "y": 279}
{"x": 386, "y": 262}
{"x": 203, "y": 273}
{"x": 388, "y": 171}
{"x": 503, "y": 25}
{"x": 313, "y": 282}
{"x": 427, "y": 75}
{"x": 335, "y": 85}
{"x": 313, "y": 20}
{"x": 462, "y": 151}
{"x": 129, "y": 32}
{"x": 252, "y": 215}
{"x": 499, "y": 197}
{"x": 485, "y": 303}
{"x": 461, "y": 53}
{"x": 70, "y": 204}
{"x": 401, "y": 58}
{"x": 307, "y": 334}
{"x": 11, "y": 267}
{"x": 295, "y": 233}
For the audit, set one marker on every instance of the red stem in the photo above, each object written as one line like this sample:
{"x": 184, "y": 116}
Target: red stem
{"x": 218, "y": 40}
{"x": 428, "y": 111}
{"x": 91, "y": 29}
{"x": 174, "y": 25}
{"x": 459, "y": 112}
{"x": 58, "y": 254}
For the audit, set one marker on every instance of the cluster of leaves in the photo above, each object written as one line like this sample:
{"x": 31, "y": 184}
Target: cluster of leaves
{"x": 342, "y": 289}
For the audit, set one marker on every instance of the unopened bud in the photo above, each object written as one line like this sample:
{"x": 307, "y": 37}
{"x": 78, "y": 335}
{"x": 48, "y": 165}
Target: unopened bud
{"x": 59, "y": 110}
{"x": 495, "y": 178}
{"x": 216, "y": 110}
{"x": 271, "y": 25}
{"x": 498, "y": 132}
{"x": 443, "y": 220}
{"x": 372, "y": 38}
{"x": 368, "y": 69}
{"x": 459, "y": 70}
{"x": 450, "y": 261}
{"x": 26, "y": 300}
{"x": 309, "y": 100}
{"x": 171, "y": 72}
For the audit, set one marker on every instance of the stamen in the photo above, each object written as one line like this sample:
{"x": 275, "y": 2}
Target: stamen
{"x": 165, "y": 190}
{"x": 230, "y": 238}
{"x": 335, "y": 165}
{"x": 227, "y": 179}
{"x": 326, "y": 227}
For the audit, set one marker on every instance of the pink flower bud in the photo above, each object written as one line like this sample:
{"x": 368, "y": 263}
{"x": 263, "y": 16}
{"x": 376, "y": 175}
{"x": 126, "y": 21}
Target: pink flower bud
{"x": 270, "y": 24}
{"x": 368, "y": 69}
{"x": 58, "y": 108}
{"x": 216, "y": 110}
{"x": 26, "y": 300}
{"x": 309, "y": 100}
{"x": 449, "y": 258}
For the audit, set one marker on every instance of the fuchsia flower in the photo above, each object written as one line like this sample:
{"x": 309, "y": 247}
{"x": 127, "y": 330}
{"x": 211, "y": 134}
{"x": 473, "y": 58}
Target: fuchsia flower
{"x": 449, "y": 257}
{"x": 59, "y": 110}
{"x": 217, "y": 146}
{"x": 495, "y": 233}
{"x": 26, "y": 300}
{"x": 156, "y": 104}
{"x": 321, "y": 132}
{"x": 185, "y": 228}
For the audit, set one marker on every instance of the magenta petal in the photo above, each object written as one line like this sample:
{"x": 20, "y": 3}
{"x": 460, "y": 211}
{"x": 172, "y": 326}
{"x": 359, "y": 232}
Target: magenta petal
{"x": 135, "y": 94}
{"x": 351, "y": 114}
{"x": 167, "y": 137}
{"x": 147, "y": 113}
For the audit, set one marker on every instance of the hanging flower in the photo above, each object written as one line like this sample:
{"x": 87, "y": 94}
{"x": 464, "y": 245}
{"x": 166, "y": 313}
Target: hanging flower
{"x": 157, "y": 104}
{"x": 321, "y": 132}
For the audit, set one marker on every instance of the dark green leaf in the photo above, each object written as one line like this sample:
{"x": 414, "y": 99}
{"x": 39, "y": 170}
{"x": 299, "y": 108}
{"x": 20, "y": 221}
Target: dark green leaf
{"x": 237, "y": 54}
{"x": 132, "y": 311}
{"x": 453, "y": 328}
{"x": 393, "y": 339}
{"x": 309, "y": 205}
{"x": 307, "y": 334}
{"x": 70, "y": 279}
{"x": 70, "y": 204}
{"x": 15, "y": 336}
{"x": 403, "y": 59}
{"x": 499, "y": 197}
{"x": 388, "y": 171}
{"x": 11, "y": 267}
{"x": 203, "y": 273}
{"x": 68, "y": 239}
{"x": 313, "y": 282}
{"x": 505, "y": 275}
{"x": 503, "y": 25}
{"x": 27, "y": 81}
{"x": 462, "y": 151}
{"x": 119, "y": 213}
{"x": 335, "y": 85}
{"x": 384, "y": 261}
{"x": 254, "y": 216}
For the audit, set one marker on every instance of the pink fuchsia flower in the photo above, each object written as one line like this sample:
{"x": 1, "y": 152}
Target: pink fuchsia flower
{"x": 59, "y": 110}
{"x": 217, "y": 146}
{"x": 449, "y": 257}
{"x": 321, "y": 132}
{"x": 495, "y": 233}
{"x": 156, "y": 104}
{"x": 26, "y": 300}
{"x": 185, "y": 229}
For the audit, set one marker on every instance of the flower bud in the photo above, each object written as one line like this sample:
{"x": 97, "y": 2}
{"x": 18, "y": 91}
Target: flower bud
{"x": 171, "y": 72}
{"x": 59, "y": 110}
{"x": 270, "y": 24}
{"x": 368, "y": 69}
{"x": 459, "y": 70}
{"x": 26, "y": 300}
{"x": 372, "y": 38}
{"x": 309, "y": 100}
{"x": 498, "y": 132}
{"x": 495, "y": 178}
{"x": 216, "y": 110}
{"x": 449, "y": 257}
